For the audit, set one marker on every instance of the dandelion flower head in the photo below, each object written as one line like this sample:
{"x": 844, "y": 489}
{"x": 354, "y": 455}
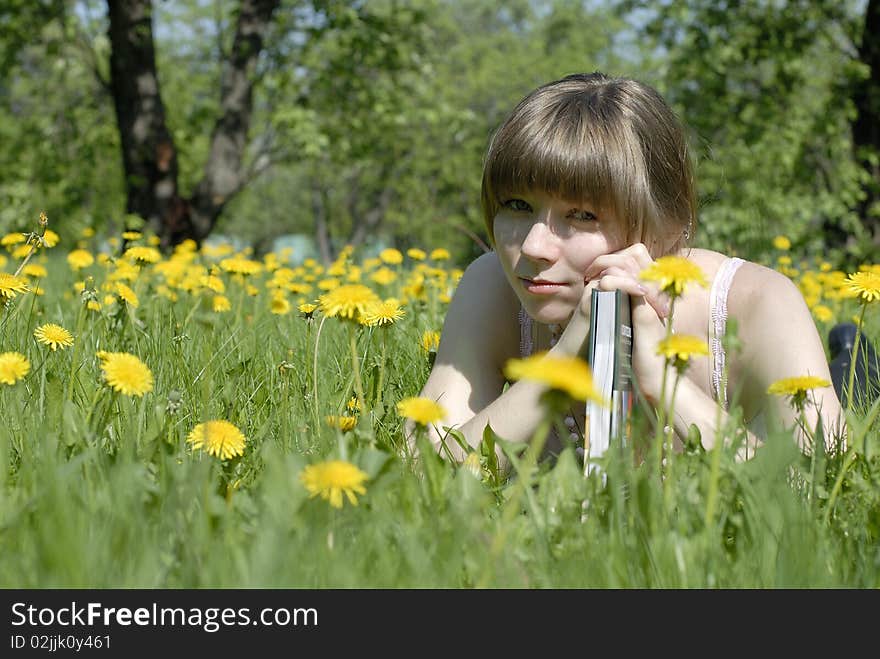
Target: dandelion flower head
{"x": 421, "y": 410}
{"x": 125, "y": 373}
{"x": 347, "y": 301}
{"x": 865, "y": 284}
{"x": 53, "y": 336}
{"x": 333, "y": 478}
{"x": 13, "y": 367}
{"x": 218, "y": 438}
{"x": 382, "y": 313}
{"x": 570, "y": 375}
{"x": 673, "y": 274}
{"x": 10, "y": 286}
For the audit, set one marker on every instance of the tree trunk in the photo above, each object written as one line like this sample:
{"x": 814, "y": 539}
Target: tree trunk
{"x": 866, "y": 127}
{"x": 149, "y": 156}
{"x": 148, "y": 151}
{"x": 224, "y": 176}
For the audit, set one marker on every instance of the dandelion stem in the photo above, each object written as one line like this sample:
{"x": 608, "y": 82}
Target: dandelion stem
{"x": 355, "y": 365}
{"x": 76, "y": 344}
{"x": 855, "y": 356}
{"x": 660, "y": 432}
{"x": 315, "y": 370}
{"x": 668, "y": 444}
{"x": 382, "y": 367}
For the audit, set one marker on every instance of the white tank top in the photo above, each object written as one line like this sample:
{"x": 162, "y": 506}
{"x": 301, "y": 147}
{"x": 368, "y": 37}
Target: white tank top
{"x": 717, "y": 326}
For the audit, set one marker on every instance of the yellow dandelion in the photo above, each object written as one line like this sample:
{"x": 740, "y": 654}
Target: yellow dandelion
{"x": 383, "y": 276}
{"x": 214, "y": 283}
{"x": 344, "y": 423}
{"x": 673, "y": 274}
{"x": 865, "y": 284}
{"x": 87, "y": 232}
{"x": 329, "y": 284}
{"x": 416, "y": 254}
{"x": 21, "y": 251}
{"x": 440, "y": 254}
{"x": 126, "y": 373}
{"x": 391, "y": 256}
{"x": 347, "y": 301}
{"x": 822, "y": 313}
{"x": 332, "y": 479}
{"x": 430, "y": 341}
{"x": 132, "y": 235}
{"x": 218, "y": 438}
{"x": 13, "y": 367}
{"x": 10, "y": 286}
{"x": 220, "y": 303}
{"x": 53, "y": 336}
{"x": 681, "y": 347}
{"x": 93, "y": 305}
{"x": 353, "y": 405}
{"x": 421, "y": 410}
{"x": 50, "y": 238}
{"x": 34, "y": 270}
{"x": 307, "y": 309}
{"x": 143, "y": 254}
{"x": 241, "y": 266}
{"x": 570, "y": 375}
{"x": 80, "y": 258}
{"x": 382, "y": 313}
{"x": 13, "y": 239}
{"x": 279, "y": 305}
{"x": 796, "y": 388}
{"x": 126, "y": 294}
{"x": 782, "y": 243}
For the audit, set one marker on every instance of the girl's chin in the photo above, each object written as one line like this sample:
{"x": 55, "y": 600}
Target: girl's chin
{"x": 550, "y": 314}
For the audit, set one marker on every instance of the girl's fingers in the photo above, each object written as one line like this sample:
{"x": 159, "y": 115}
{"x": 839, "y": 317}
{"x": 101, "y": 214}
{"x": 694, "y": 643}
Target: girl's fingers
{"x": 633, "y": 259}
{"x": 615, "y": 279}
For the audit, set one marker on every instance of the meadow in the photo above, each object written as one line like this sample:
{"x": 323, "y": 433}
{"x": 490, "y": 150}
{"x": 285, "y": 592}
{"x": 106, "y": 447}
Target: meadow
{"x": 214, "y": 418}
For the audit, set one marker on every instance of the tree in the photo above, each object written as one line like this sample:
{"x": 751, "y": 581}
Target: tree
{"x": 866, "y": 125}
{"x": 767, "y": 89}
{"x": 149, "y": 152}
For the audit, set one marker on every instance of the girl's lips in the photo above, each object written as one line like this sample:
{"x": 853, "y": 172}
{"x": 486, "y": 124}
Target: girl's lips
{"x": 541, "y": 288}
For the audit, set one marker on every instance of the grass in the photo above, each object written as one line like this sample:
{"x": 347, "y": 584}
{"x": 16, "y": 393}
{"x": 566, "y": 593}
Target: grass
{"x": 101, "y": 490}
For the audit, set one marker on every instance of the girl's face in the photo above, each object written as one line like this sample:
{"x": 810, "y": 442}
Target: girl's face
{"x": 545, "y": 244}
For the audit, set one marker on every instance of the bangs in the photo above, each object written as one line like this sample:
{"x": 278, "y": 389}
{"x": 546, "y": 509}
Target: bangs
{"x": 571, "y": 155}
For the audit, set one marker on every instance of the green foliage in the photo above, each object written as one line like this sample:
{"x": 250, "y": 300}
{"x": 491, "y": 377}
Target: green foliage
{"x": 766, "y": 90}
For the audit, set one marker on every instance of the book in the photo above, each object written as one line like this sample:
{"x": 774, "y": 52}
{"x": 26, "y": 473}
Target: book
{"x": 609, "y": 354}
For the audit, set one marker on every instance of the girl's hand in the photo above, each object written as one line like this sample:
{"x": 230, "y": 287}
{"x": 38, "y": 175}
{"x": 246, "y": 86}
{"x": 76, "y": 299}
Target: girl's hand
{"x": 650, "y": 310}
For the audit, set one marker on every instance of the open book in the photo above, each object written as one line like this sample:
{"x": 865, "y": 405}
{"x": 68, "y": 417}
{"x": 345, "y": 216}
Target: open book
{"x": 609, "y": 353}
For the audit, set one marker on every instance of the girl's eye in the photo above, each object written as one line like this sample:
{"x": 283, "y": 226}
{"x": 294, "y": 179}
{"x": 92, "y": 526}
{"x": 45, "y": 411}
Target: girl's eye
{"x": 517, "y": 205}
{"x": 582, "y": 215}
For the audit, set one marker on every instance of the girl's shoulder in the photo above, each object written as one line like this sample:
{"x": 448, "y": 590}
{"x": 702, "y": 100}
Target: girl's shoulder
{"x": 757, "y": 295}
{"x": 749, "y": 279}
{"x": 485, "y": 303}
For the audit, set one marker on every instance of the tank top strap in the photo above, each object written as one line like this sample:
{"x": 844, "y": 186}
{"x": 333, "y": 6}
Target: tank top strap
{"x": 718, "y": 324}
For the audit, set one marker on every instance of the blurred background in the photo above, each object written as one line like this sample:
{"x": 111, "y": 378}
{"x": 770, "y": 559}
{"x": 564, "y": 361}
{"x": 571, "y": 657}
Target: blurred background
{"x": 316, "y": 124}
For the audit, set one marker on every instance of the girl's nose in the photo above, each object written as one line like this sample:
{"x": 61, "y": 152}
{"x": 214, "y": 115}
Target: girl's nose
{"x": 540, "y": 242}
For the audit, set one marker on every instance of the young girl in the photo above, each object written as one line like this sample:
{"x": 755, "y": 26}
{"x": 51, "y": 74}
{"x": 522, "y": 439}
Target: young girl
{"x": 584, "y": 185}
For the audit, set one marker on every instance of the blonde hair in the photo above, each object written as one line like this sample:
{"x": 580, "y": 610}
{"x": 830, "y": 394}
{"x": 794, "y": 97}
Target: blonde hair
{"x": 611, "y": 141}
